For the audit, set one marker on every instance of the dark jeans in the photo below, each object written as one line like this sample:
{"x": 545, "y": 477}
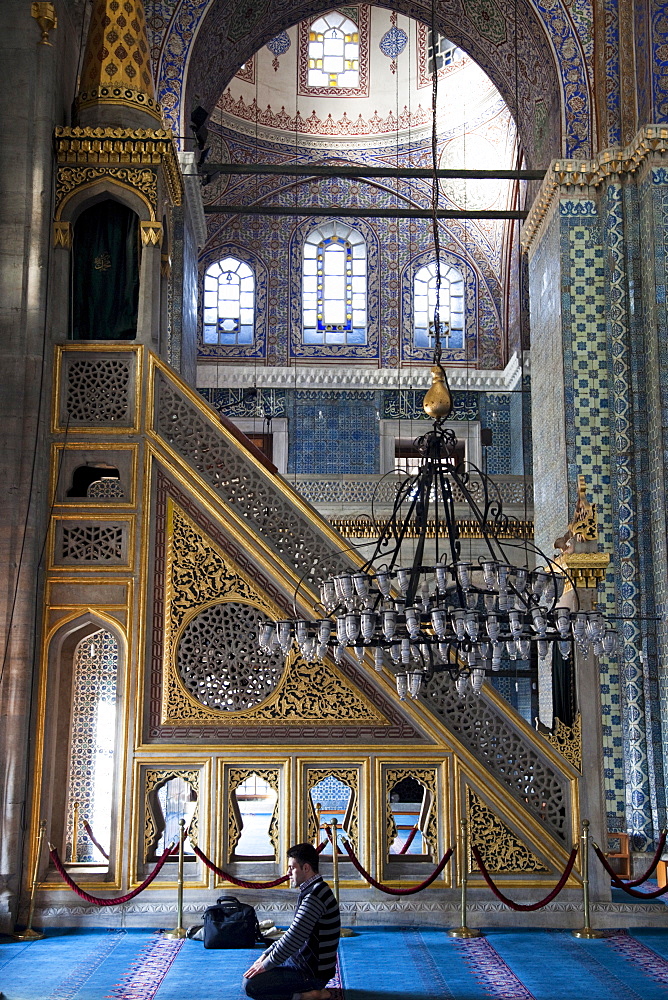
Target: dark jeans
{"x": 280, "y": 983}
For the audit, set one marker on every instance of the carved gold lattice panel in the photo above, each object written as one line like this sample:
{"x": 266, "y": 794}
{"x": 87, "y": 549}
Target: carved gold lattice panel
{"x": 510, "y": 755}
{"x": 235, "y": 777}
{"x": 251, "y": 493}
{"x": 567, "y": 740}
{"x": 428, "y": 778}
{"x": 211, "y": 656}
{"x": 501, "y": 849}
{"x": 348, "y": 776}
{"x": 218, "y": 661}
{"x": 98, "y": 390}
{"x": 153, "y": 781}
{"x": 198, "y": 573}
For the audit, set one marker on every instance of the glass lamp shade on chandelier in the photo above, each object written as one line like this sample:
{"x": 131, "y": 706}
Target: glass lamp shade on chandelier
{"x": 447, "y": 614}
{"x": 416, "y": 605}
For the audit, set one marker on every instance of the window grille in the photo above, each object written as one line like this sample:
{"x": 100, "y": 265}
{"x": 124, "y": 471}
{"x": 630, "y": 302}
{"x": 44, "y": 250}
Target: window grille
{"x": 446, "y": 52}
{"x": 229, "y": 303}
{"x": 334, "y": 286}
{"x": 451, "y": 306}
{"x": 334, "y": 52}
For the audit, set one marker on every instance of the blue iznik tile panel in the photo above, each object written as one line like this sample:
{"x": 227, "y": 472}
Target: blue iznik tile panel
{"x": 653, "y": 198}
{"x": 587, "y": 417}
{"x": 330, "y": 435}
{"x": 659, "y": 40}
{"x": 630, "y": 376}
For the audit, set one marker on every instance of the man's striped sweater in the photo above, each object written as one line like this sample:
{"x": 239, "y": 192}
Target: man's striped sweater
{"x": 311, "y": 940}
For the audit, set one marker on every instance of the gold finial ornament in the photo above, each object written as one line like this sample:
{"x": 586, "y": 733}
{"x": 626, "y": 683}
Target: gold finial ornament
{"x": 45, "y": 15}
{"x": 437, "y": 402}
{"x": 117, "y": 62}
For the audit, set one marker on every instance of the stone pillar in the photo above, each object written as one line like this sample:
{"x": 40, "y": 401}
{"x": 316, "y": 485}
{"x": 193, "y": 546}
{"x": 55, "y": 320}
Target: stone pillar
{"x": 42, "y": 74}
{"x": 571, "y": 408}
{"x": 148, "y": 317}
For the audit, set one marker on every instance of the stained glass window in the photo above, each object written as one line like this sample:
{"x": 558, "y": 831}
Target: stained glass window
{"x": 333, "y": 52}
{"x": 229, "y": 303}
{"x": 450, "y": 306}
{"x": 92, "y": 744}
{"x": 334, "y": 286}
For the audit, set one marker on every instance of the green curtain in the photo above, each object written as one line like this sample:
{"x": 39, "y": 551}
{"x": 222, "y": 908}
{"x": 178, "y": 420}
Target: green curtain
{"x": 105, "y": 279}
{"x": 563, "y": 686}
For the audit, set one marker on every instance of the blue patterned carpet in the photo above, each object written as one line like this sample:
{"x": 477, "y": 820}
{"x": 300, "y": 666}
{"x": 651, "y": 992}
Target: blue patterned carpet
{"x": 377, "y": 964}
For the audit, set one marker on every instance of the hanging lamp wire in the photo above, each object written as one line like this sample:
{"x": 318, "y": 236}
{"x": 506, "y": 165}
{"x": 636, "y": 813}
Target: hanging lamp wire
{"x": 417, "y": 605}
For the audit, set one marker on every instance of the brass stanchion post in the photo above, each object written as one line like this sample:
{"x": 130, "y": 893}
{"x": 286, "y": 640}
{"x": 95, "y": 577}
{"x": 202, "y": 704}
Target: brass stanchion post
{"x": 462, "y": 864}
{"x": 318, "y": 823}
{"x": 75, "y": 834}
{"x": 29, "y": 934}
{"x": 335, "y": 858}
{"x": 345, "y": 932}
{"x": 587, "y": 931}
{"x": 179, "y": 931}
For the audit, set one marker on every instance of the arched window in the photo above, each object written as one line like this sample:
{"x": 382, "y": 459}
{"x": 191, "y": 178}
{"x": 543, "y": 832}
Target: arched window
{"x": 334, "y": 286}
{"x": 229, "y": 303}
{"x": 450, "y": 306}
{"x": 333, "y": 52}
{"x": 91, "y": 755}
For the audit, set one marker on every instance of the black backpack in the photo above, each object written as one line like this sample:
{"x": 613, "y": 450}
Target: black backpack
{"x": 230, "y": 924}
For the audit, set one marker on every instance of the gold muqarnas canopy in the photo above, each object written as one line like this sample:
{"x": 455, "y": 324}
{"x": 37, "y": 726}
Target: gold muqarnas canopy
{"x": 117, "y": 62}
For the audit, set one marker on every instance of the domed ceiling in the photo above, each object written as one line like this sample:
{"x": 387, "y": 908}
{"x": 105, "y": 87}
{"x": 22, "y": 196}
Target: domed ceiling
{"x": 360, "y": 76}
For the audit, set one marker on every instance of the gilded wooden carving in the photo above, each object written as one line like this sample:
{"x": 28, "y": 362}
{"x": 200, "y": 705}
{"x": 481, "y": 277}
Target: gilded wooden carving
{"x": 142, "y": 179}
{"x": 236, "y": 776}
{"x": 427, "y": 777}
{"x": 153, "y": 781}
{"x": 350, "y": 777}
{"x": 567, "y": 740}
{"x": 198, "y": 575}
{"x": 501, "y": 849}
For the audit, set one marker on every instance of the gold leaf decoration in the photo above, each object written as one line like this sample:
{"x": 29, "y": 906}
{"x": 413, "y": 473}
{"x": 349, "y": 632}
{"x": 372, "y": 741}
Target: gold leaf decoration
{"x": 197, "y": 575}
{"x": 567, "y": 740}
{"x": 236, "y": 777}
{"x": 501, "y": 849}
{"x": 427, "y": 778}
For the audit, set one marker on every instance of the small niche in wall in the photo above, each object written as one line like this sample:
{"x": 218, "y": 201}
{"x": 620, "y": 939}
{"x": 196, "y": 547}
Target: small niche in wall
{"x": 332, "y": 799}
{"x": 254, "y": 802}
{"x": 96, "y": 481}
{"x": 410, "y": 805}
{"x": 168, "y": 802}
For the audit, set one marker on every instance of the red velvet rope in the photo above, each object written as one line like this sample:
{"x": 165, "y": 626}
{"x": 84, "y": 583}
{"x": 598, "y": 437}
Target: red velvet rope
{"x": 226, "y": 877}
{"x": 87, "y": 828}
{"x": 633, "y": 882}
{"x": 618, "y": 884}
{"x": 96, "y": 900}
{"x": 525, "y": 906}
{"x": 398, "y": 892}
{"x": 409, "y": 840}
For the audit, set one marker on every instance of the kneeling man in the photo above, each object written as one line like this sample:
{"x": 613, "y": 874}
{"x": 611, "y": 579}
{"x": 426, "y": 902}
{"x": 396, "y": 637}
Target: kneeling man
{"x": 303, "y": 960}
